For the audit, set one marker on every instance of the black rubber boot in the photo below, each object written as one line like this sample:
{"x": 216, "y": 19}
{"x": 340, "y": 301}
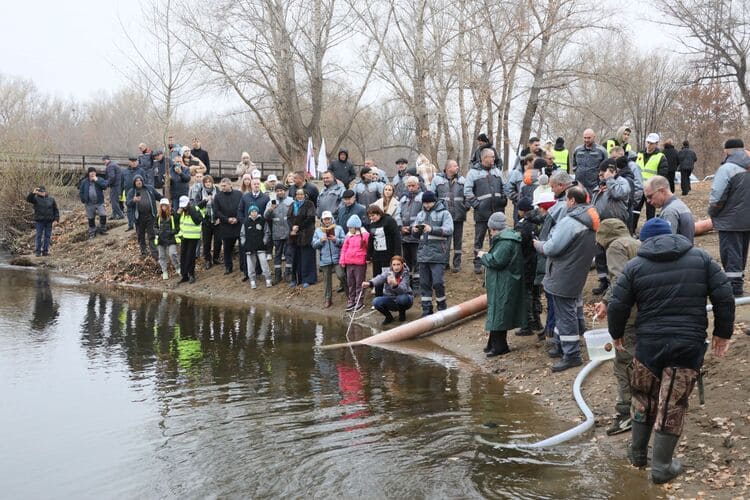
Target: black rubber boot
{"x": 402, "y": 316}
{"x": 663, "y": 467}
{"x": 488, "y": 347}
{"x": 499, "y": 341}
{"x": 638, "y": 449}
{"x": 457, "y": 263}
{"x": 603, "y": 285}
{"x": 92, "y": 228}
{"x": 388, "y": 318}
{"x": 102, "y": 229}
{"x": 277, "y": 276}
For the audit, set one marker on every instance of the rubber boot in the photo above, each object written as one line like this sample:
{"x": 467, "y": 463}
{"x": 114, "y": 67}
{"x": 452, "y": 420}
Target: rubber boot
{"x": 603, "y": 285}
{"x": 388, "y": 318}
{"x": 277, "y": 276}
{"x": 456, "y": 263}
{"x": 92, "y": 228}
{"x": 102, "y": 229}
{"x": 402, "y": 316}
{"x": 638, "y": 449}
{"x": 488, "y": 347}
{"x": 663, "y": 467}
{"x": 499, "y": 342}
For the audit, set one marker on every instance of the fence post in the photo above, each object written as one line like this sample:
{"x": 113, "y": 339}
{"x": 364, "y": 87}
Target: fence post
{"x": 59, "y": 164}
{"x": 83, "y": 162}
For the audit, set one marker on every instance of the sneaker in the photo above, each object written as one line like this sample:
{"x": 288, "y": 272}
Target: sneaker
{"x": 305, "y": 285}
{"x": 269, "y": 284}
{"x": 340, "y": 289}
{"x": 620, "y": 424}
{"x": 349, "y": 307}
{"x": 38, "y": 254}
{"x": 191, "y": 279}
{"x": 45, "y": 254}
{"x": 293, "y": 284}
{"x": 359, "y": 307}
{"x": 253, "y": 285}
{"x": 566, "y": 363}
{"x": 327, "y": 304}
{"x": 129, "y": 229}
{"x": 165, "y": 275}
{"x": 524, "y": 332}
{"x": 178, "y": 271}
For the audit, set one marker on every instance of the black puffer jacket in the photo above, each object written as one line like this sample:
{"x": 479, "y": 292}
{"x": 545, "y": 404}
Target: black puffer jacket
{"x": 669, "y": 281}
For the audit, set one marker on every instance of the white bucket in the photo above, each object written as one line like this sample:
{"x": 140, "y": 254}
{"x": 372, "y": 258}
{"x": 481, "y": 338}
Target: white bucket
{"x": 599, "y": 344}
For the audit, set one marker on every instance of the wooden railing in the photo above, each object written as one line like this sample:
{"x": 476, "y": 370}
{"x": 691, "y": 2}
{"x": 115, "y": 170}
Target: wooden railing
{"x": 80, "y": 162}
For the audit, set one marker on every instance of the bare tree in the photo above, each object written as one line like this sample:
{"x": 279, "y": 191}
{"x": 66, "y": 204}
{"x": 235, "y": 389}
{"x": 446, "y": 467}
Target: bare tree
{"x": 162, "y": 66}
{"x": 718, "y": 38}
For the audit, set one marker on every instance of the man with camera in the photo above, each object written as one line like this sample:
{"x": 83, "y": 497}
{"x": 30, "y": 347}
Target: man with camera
{"x": 45, "y": 215}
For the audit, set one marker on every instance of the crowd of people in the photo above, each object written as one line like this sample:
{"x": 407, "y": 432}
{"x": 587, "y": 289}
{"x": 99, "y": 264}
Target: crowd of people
{"x": 568, "y": 210}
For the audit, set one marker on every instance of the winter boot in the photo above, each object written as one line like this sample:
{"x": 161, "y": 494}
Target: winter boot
{"x": 456, "y": 262}
{"x": 388, "y": 318}
{"x": 663, "y": 467}
{"x": 536, "y": 323}
{"x": 603, "y": 285}
{"x": 402, "y": 316}
{"x": 277, "y": 276}
{"x": 477, "y": 266}
{"x": 638, "y": 449}
{"x": 92, "y": 228}
{"x": 499, "y": 342}
{"x": 102, "y": 229}
{"x": 488, "y": 347}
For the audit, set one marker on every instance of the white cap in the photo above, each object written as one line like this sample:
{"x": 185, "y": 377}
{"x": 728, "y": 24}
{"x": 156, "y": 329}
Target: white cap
{"x": 272, "y": 178}
{"x": 326, "y": 215}
{"x": 164, "y": 201}
{"x": 545, "y": 198}
{"x": 652, "y": 138}
{"x": 184, "y": 200}
{"x": 255, "y": 174}
{"x": 185, "y": 149}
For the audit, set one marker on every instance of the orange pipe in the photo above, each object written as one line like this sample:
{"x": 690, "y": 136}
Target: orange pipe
{"x": 703, "y": 226}
{"x": 423, "y": 325}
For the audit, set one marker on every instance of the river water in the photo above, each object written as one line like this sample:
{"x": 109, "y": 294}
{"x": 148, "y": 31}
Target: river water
{"x": 125, "y": 395}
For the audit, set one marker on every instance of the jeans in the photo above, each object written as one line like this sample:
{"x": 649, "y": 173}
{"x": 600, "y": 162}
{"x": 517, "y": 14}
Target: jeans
{"x": 131, "y": 216}
{"x": 43, "y": 235}
{"x": 114, "y": 200}
{"x": 167, "y": 253}
{"x": 388, "y": 303}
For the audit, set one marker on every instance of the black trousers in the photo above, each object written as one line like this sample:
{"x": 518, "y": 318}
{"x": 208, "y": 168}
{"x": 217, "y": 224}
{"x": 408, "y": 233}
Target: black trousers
{"x": 650, "y": 212}
{"x": 410, "y": 257}
{"x": 144, "y": 227}
{"x": 685, "y": 181}
{"x": 670, "y": 178}
{"x": 733, "y": 246}
{"x": 188, "y": 250}
{"x": 228, "y": 251}
{"x": 209, "y": 234}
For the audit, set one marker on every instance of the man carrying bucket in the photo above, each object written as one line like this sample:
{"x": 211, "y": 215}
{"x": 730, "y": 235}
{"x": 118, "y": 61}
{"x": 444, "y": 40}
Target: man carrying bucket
{"x": 668, "y": 281}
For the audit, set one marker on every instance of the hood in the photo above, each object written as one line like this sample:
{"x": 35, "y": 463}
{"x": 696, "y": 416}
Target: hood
{"x": 618, "y": 135}
{"x": 665, "y": 247}
{"x": 559, "y": 147}
{"x": 668, "y": 146}
{"x": 509, "y": 234}
{"x": 345, "y": 151}
{"x": 586, "y": 215}
{"x": 610, "y": 230}
{"x": 136, "y": 177}
{"x": 437, "y": 207}
{"x": 739, "y": 158}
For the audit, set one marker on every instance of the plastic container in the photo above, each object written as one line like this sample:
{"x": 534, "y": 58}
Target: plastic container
{"x": 599, "y": 344}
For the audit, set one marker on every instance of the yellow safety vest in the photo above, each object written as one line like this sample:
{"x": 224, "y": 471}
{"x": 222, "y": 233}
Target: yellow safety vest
{"x": 612, "y": 143}
{"x": 651, "y": 168}
{"x": 189, "y": 230}
{"x": 561, "y": 158}
{"x": 159, "y": 222}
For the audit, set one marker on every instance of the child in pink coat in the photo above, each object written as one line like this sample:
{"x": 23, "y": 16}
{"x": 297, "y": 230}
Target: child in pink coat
{"x": 353, "y": 258}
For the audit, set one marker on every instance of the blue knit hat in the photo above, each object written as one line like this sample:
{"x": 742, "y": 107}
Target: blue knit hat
{"x": 655, "y": 227}
{"x": 354, "y": 221}
{"x": 253, "y": 207}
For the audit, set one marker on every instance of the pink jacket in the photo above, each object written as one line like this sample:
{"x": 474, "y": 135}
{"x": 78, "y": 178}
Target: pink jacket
{"x": 354, "y": 250}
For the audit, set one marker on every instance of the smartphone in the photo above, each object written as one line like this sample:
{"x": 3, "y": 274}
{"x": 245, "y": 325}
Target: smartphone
{"x": 331, "y": 231}
{"x": 273, "y": 202}
{"x": 420, "y": 227}
{"x": 194, "y": 162}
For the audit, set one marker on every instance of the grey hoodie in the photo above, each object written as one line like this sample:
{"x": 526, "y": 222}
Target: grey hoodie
{"x": 729, "y": 201}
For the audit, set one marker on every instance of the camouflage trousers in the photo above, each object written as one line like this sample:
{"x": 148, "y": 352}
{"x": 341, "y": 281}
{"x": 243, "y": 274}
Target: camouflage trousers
{"x": 662, "y": 400}
{"x": 623, "y": 370}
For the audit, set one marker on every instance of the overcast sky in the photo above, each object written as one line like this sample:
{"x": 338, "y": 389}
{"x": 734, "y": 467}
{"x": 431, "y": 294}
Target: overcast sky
{"x": 69, "y": 48}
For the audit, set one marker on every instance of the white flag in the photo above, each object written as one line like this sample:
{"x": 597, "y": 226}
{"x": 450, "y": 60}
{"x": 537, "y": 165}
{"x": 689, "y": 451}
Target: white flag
{"x": 322, "y": 158}
{"x": 310, "y": 164}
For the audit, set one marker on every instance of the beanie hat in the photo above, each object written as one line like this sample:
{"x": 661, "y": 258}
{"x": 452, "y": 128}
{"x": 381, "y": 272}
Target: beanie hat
{"x": 543, "y": 180}
{"x": 253, "y": 207}
{"x": 348, "y": 194}
{"x": 429, "y": 196}
{"x": 686, "y": 143}
{"x": 496, "y": 221}
{"x": 540, "y": 164}
{"x": 483, "y": 138}
{"x": 559, "y": 141}
{"x": 655, "y": 227}
{"x": 525, "y": 204}
{"x": 734, "y": 144}
{"x": 354, "y": 221}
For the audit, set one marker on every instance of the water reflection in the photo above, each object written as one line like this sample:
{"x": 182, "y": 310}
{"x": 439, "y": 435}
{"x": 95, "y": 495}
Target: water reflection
{"x": 45, "y": 311}
{"x": 198, "y": 399}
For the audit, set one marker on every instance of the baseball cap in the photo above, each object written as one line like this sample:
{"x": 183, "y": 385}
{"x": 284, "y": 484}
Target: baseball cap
{"x": 652, "y": 138}
{"x": 164, "y": 201}
{"x": 272, "y": 178}
{"x": 326, "y": 215}
{"x": 184, "y": 200}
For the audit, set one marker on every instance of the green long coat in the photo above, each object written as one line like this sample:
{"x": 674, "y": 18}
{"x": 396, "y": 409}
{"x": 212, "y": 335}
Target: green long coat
{"x": 506, "y": 293}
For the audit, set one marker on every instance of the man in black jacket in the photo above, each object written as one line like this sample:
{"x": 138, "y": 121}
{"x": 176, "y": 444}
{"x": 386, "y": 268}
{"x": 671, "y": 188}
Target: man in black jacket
{"x": 668, "y": 281}
{"x": 342, "y": 168}
{"x": 201, "y": 154}
{"x": 673, "y": 162}
{"x": 686, "y": 159}
{"x": 45, "y": 214}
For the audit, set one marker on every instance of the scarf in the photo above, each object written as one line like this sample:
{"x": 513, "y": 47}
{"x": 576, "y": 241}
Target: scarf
{"x": 296, "y": 205}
